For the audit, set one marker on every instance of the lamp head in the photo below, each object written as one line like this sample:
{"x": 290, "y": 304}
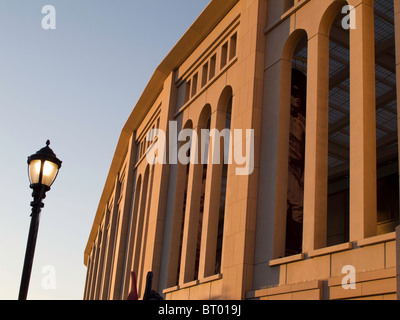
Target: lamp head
{"x": 43, "y": 167}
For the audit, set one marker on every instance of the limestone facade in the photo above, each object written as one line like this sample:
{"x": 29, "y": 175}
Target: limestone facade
{"x": 207, "y": 232}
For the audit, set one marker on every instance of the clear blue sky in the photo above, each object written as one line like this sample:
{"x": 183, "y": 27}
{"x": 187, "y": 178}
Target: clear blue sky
{"x": 76, "y": 86}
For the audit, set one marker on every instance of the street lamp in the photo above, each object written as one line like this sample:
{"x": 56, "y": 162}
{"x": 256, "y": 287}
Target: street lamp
{"x": 43, "y": 167}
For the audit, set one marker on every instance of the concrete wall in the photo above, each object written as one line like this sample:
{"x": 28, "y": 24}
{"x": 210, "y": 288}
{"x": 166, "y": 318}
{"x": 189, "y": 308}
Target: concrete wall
{"x": 138, "y": 223}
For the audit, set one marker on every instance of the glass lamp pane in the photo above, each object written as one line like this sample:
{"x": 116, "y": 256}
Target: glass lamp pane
{"x": 34, "y": 171}
{"x": 49, "y": 173}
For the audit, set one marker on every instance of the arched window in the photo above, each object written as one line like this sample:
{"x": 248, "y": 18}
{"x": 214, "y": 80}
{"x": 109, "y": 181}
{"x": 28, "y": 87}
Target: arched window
{"x": 216, "y": 186}
{"x": 132, "y": 230}
{"x": 204, "y": 123}
{"x": 297, "y": 130}
{"x": 138, "y": 238}
{"x": 386, "y": 117}
{"x": 224, "y": 184}
{"x": 181, "y": 195}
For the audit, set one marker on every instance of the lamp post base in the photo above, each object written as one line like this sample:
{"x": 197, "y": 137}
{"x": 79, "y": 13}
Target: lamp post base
{"x": 37, "y": 205}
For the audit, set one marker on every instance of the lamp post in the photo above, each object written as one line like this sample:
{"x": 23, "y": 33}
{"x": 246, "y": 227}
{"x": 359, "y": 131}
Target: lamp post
{"x": 43, "y": 167}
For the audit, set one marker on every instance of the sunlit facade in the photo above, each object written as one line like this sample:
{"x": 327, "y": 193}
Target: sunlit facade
{"x": 316, "y": 81}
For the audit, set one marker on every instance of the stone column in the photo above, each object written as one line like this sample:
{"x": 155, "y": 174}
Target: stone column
{"x": 159, "y": 187}
{"x": 180, "y": 198}
{"x": 144, "y": 250}
{"x": 103, "y": 246}
{"x": 95, "y": 265}
{"x": 125, "y": 209}
{"x": 316, "y": 155}
{"x": 175, "y": 253}
{"x": 132, "y": 235}
{"x": 88, "y": 278}
{"x": 113, "y": 207}
{"x": 86, "y": 281}
{"x": 99, "y": 263}
{"x": 139, "y": 228}
{"x": 363, "y": 198}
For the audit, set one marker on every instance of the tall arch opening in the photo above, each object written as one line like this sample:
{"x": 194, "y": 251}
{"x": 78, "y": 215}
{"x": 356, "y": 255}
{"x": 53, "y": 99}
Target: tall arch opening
{"x": 181, "y": 195}
{"x": 140, "y": 228}
{"x": 339, "y": 132}
{"x": 216, "y": 186}
{"x": 224, "y": 184}
{"x": 296, "y": 156}
{"x": 204, "y": 123}
{"x": 131, "y": 234}
{"x": 386, "y": 117}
